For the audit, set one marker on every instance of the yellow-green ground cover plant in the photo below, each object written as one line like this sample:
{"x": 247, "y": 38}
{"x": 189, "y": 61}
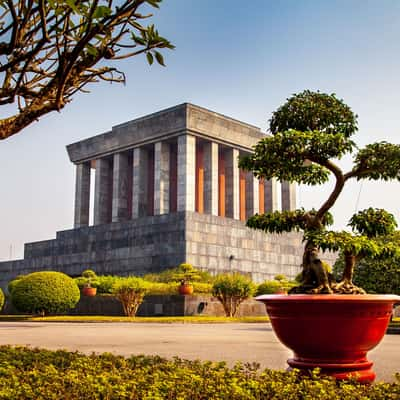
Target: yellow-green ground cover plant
{"x": 42, "y": 374}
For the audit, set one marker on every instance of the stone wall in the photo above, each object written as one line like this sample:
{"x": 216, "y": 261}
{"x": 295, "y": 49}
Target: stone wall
{"x": 152, "y": 244}
{"x": 161, "y": 305}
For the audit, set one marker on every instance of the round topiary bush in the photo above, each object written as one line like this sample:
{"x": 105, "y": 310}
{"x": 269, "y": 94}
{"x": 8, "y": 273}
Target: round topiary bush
{"x": 46, "y": 292}
{"x": 1, "y": 299}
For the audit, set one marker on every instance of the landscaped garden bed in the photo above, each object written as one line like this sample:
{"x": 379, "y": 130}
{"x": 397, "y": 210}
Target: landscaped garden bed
{"x": 42, "y": 374}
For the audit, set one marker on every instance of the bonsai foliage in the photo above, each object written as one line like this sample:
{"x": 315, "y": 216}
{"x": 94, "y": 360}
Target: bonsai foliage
{"x": 50, "y": 50}
{"x": 186, "y": 273}
{"x": 311, "y": 132}
{"x": 130, "y": 292}
{"x": 231, "y": 290}
{"x": 89, "y": 276}
{"x": 45, "y": 292}
{"x": 380, "y": 276}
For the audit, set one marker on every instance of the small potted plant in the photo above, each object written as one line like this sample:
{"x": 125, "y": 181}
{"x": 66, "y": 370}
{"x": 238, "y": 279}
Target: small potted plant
{"x": 330, "y": 325}
{"x": 186, "y": 274}
{"x": 87, "y": 289}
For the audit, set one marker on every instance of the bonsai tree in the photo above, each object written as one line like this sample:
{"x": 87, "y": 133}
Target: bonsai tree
{"x": 310, "y": 133}
{"x": 89, "y": 277}
{"x": 376, "y": 275}
{"x": 186, "y": 273}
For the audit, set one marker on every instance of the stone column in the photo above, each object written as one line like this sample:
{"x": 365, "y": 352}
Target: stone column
{"x": 82, "y": 195}
{"x": 139, "y": 185}
{"x": 161, "y": 178}
{"x": 120, "y": 187}
{"x": 252, "y": 195}
{"x": 288, "y": 193}
{"x": 210, "y": 178}
{"x": 232, "y": 183}
{"x": 102, "y": 192}
{"x": 186, "y": 172}
{"x": 270, "y": 196}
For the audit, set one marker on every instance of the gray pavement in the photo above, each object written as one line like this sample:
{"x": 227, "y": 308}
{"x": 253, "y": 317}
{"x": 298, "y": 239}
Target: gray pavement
{"x": 216, "y": 342}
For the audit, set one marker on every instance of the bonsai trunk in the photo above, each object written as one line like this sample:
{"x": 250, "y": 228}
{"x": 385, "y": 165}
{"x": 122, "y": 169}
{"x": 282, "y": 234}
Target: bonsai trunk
{"x": 346, "y": 285}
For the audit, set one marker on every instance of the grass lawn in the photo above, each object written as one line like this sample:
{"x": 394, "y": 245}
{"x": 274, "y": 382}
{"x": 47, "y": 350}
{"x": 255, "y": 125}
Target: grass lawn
{"x": 104, "y": 318}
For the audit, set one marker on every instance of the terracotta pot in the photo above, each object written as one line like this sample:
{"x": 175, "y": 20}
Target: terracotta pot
{"x": 331, "y": 332}
{"x": 89, "y": 291}
{"x": 185, "y": 288}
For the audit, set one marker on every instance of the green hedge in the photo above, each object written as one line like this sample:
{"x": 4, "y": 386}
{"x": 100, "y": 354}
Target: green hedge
{"x": 1, "y": 299}
{"x": 42, "y": 374}
{"x": 45, "y": 292}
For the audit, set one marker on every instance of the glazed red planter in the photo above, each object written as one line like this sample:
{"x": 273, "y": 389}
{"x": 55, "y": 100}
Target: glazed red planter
{"x": 331, "y": 332}
{"x": 89, "y": 291}
{"x": 185, "y": 288}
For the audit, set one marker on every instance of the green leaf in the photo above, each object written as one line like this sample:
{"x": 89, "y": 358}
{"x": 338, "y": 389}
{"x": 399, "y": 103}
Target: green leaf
{"x": 159, "y": 58}
{"x": 91, "y": 50}
{"x": 101, "y": 12}
{"x": 150, "y": 58}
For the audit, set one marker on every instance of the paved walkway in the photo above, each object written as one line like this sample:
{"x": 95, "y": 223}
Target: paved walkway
{"x": 217, "y": 342}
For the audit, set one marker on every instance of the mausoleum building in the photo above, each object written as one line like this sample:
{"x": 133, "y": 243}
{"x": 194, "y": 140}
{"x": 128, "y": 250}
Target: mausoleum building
{"x": 167, "y": 189}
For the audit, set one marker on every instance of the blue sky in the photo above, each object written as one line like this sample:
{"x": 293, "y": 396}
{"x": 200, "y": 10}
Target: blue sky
{"x": 239, "y": 58}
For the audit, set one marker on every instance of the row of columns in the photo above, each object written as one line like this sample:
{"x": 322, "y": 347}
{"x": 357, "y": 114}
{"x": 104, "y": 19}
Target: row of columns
{"x": 187, "y": 174}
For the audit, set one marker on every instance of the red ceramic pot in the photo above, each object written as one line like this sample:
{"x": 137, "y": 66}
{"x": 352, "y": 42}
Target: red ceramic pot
{"x": 185, "y": 288}
{"x": 89, "y": 291}
{"x": 331, "y": 332}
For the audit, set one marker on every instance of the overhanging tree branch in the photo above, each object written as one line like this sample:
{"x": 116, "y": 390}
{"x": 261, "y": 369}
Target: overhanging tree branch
{"x": 49, "y": 50}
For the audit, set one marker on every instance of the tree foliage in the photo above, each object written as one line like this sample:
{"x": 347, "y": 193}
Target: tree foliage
{"x": 381, "y": 276}
{"x": 130, "y": 291}
{"x": 231, "y": 290}
{"x": 50, "y": 50}
{"x": 310, "y": 133}
{"x": 314, "y": 111}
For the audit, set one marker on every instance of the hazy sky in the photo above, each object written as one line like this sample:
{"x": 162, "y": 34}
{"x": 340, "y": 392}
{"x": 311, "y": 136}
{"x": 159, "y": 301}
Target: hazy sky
{"x": 239, "y": 58}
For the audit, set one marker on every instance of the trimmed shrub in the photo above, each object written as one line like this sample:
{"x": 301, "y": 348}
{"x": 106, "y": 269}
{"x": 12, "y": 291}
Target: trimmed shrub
{"x": 231, "y": 290}
{"x": 44, "y": 374}
{"x": 130, "y": 292}
{"x": 183, "y": 271}
{"x": 1, "y": 299}
{"x": 11, "y": 284}
{"x": 269, "y": 287}
{"x": 161, "y": 288}
{"x": 158, "y": 288}
{"x": 104, "y": 283}
{"x": 278, "y": 284}
{"x": 202, "y": 287}
{"x": 46, "y": 292}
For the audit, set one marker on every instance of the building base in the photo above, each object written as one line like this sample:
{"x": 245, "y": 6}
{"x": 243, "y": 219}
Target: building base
{"x": 152, "y": 244}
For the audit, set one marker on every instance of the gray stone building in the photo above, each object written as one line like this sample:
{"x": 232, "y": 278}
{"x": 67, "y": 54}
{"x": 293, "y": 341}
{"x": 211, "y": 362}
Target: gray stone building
{"x": 167, "y": 189}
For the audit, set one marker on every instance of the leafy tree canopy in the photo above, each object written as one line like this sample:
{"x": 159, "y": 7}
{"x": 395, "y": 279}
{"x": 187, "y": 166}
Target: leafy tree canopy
{"x": 314, "y": 111}
{"x": 50, "y": 50}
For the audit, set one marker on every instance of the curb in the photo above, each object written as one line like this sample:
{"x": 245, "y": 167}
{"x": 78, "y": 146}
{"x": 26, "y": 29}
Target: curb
{"x": 393, "y": 330}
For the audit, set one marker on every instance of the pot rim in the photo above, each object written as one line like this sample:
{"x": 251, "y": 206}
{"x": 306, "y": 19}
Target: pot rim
{"x": 339, "y": 298}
